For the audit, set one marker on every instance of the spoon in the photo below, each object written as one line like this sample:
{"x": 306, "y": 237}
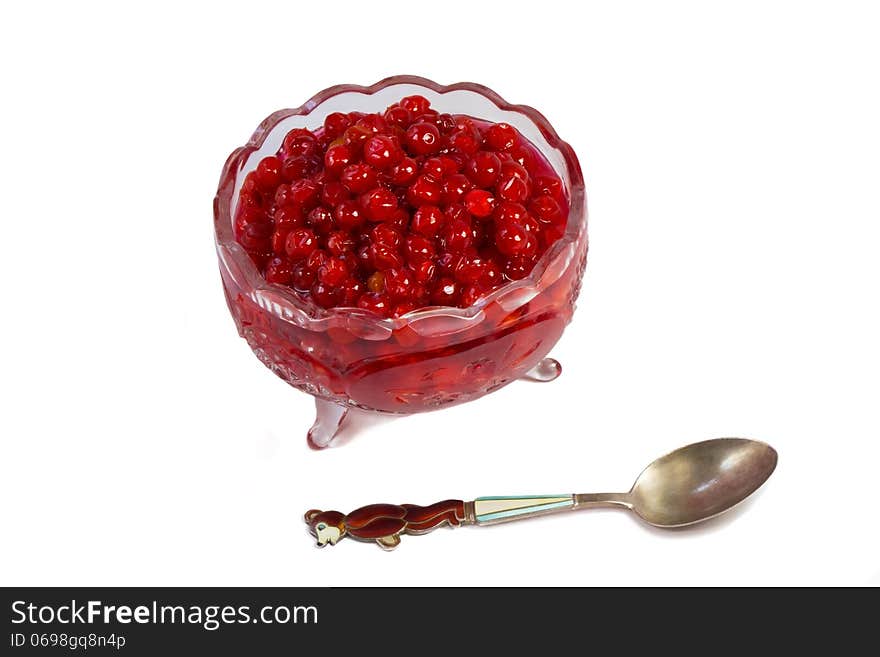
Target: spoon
{"x": 691, "y": 484}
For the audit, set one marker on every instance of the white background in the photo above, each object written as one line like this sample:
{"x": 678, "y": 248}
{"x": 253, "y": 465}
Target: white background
{"x": 732, "y": 158}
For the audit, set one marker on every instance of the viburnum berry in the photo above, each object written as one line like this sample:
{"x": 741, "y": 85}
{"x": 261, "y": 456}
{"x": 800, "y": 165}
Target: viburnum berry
{"x": 300, "y": 243}
{"x": 455, "y": 187}
{"x": 279, "y": 270}
{"x": 289, "y": 217}
{"x": 382, "y": 152}
{"x": 427, "y": 221}
{"x": 423, "y": 138}
{"x": 501, "y": 136}
{"x": 321, "y": 220}
{"x": 415, "y": 104}
{"x": 404, "y": 172}
{"x": 336, "y": 159}
{"x": 396, "y": 210}
{"x": 385, "y": 256}
{"x": 386, "y": 234}
{"x": 268, "y": 173}
{"x": 424, "y": 190}
{"x": 379, "y": 204}
{"x": 479, "y": 202}
{"x": 349, "y": 215}
{"x": 326, "y": 295}
{"x": 358, "y": 178}
{"x": 333, "y": 272}
{"x": 483, "y": 169}
{"x": 510, "y": 237}
{"x": 398, "y": 116}
{"x": 335, "y": 124}
{"x": 377, "y": 302}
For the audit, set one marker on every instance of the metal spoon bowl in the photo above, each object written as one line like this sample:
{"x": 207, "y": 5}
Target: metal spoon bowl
{"x": 699, "y": 481}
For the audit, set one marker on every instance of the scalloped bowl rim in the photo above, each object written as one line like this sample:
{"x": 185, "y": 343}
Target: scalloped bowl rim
{"x": 577, "y": 217}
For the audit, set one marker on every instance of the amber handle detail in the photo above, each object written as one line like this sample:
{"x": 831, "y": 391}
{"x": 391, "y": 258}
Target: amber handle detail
{"x": 384, "y": 523}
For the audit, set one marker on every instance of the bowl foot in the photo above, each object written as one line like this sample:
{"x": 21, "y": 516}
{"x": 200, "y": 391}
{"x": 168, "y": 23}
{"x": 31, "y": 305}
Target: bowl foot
{"x": 329, "y": 416}
{"x": 546, "y": 370}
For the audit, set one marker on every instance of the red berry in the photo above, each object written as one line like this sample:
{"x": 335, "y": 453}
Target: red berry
{"x": 508, "y": 211}
{"x": 522, "y": 156}
{"x": 373, "y": 122}
{"x": 300, "y": 143}
{"x": 424, "y": 272}
{"x": 404, "y": 172}
{"x": 398, "y": 116}
{"x": 333, "y": 194}
{"x": 399, "y": 283}
{"x": 298, "y": 167}
{"x": 479, "y": 202}
{"x": 336, "y": 159}
{"x": 457, "y": 236}
{"x": 333, "y": 272}
{"x": 415, "y": 105}
{"x": 289, "y": 217}
{"x": 425, "y": 190}
{"x": 427, "y": 221}
{"x": 303, "y": 278}
{"x": 381, "y": 152}
{"x": 470, "y": 294}
{"x": 446, "y": 292}
{"x": 349, "y": 215}
{"x": 549, "y": 185}
{"x": 512, "y": 188}
{"x": 387, "y": 235}
{"x": 352, "y": 289}
{"x": 379, "y": 204}
{"x": 376, "y": 302}
{"x": 470, "y": 269}
{"x": 325, "y": 295}
{"x": 355, "y": 136}
{"x": 510, "y": 237}
{"x": 358, "y": 178}
{"x": 385, "y": 256}
{"x": 268, "y": 173}
{"x": 418, "y": 249}
{"x": 455, "y": 187}
{"x": 335, "y": 124}
{"x": 317, "y": 259}
{"x": 279, "y": 241}
{"x": 464, "y": 142}
{"x": 518, "y": 267}
{"x": 483, "y": 169}
{"x": 423, "y": 138}
{"x": 321, "y": 220}
{"x": 340, "y": 242}
{"x": 279, "y": 270}
{"x": 306, "y": 193}
{"x": 446, "y": 123}
{"x": 300, "y": 243}
{"x": 500, "y": 136}
{"x": 546, "y": 209}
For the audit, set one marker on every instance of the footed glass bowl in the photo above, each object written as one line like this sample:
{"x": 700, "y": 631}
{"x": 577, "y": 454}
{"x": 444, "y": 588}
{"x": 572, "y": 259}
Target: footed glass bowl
{"x": 428, "y": 358}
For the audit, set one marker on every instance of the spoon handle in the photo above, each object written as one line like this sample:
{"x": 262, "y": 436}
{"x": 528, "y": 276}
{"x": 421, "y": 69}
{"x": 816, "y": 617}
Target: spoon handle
{"x": 385, "y": 523}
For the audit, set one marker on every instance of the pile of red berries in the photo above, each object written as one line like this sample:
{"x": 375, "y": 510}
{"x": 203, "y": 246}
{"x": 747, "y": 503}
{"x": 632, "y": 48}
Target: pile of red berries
{"x": 396, "y": 211}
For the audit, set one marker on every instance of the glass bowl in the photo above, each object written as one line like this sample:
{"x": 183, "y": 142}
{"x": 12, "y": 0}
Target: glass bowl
{"x": 428, "y": 358}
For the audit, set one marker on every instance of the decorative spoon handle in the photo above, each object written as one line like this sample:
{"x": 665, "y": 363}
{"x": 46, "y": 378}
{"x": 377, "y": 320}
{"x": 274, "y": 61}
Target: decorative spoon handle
{"x": 385, "y": 523}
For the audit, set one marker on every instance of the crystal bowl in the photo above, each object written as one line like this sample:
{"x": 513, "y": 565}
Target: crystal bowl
{"x": 431, "y": 357}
